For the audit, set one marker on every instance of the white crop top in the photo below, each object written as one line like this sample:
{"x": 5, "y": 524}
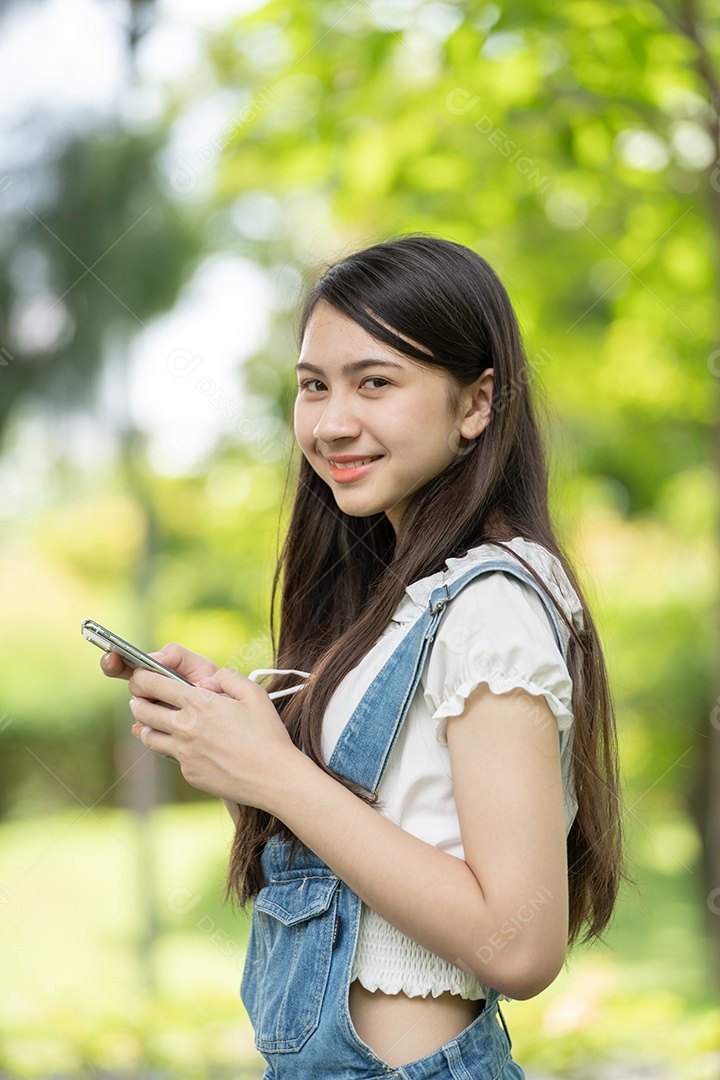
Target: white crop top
{"x": 495, "y": 631}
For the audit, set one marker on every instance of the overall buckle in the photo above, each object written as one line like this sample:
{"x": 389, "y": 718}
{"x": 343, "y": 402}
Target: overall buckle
{"x": 441, "y": 603}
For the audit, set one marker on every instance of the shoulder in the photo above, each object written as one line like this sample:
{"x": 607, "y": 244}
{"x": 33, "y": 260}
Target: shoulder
{"x": 497, "y": 600}
{"x": 498, "y": 630}
{"x": 498, "y": 621}
{"x": 514, "y": 578}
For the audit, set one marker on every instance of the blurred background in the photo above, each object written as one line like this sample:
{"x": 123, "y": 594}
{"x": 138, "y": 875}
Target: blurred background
{"x": 171, "y": 174}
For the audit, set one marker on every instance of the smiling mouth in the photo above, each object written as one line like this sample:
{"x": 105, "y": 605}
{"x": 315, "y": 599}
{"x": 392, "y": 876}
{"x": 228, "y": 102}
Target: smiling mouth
{"x": 353, "y": 464}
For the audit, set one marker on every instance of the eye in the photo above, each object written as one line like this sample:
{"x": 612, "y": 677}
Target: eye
{"x": 377, "y": 379}
{"x": 305, "y": 384}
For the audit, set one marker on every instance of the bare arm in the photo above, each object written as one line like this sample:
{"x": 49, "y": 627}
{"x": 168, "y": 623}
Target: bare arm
{"x": 501, "y": 913}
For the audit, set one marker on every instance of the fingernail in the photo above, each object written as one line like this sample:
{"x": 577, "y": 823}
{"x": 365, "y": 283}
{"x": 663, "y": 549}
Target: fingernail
{"x": 136, "y": 728}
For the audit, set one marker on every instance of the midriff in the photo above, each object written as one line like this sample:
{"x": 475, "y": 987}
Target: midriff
{"x": 400, "y": 1028}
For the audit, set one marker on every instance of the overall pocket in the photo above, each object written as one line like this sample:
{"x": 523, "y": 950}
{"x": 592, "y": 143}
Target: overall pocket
{"x": 288, "y": 959}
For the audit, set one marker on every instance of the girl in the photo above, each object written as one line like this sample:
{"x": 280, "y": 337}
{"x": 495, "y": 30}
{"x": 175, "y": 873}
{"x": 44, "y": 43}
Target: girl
{"x": 430, "y": 818}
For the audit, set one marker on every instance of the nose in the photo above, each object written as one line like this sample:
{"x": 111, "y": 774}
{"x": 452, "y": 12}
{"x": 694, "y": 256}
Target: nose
{"x": 338, "y": 421}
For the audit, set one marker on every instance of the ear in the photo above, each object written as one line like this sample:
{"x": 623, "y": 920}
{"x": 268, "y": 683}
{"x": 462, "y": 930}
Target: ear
{"x": 476, "y": 401}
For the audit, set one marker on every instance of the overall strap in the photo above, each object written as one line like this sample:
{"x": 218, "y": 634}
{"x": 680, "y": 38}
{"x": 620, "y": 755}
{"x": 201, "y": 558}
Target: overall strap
{"x": 366, "y": 742}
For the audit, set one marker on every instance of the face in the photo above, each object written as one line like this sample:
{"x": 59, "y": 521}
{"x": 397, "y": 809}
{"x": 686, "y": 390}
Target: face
{"x": 375, "y": 425}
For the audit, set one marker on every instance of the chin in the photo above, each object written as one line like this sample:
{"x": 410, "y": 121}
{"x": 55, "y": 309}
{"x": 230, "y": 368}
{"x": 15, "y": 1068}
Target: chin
{"x": 354, "y": 508}
{"x": 357, "y": 511}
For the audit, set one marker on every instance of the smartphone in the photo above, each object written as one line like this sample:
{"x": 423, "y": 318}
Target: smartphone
{"x": 133, "y": 657}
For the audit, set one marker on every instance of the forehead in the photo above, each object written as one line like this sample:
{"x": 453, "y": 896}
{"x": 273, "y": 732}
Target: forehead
{"x": 330, "y": 331}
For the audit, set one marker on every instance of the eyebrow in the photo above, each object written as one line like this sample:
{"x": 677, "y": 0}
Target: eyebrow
{"x": 349, "y": 369}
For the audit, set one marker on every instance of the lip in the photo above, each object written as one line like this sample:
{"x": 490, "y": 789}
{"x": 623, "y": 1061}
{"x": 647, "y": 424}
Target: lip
{"x": 345, "y": 476}
{"x": 344, "y": 458}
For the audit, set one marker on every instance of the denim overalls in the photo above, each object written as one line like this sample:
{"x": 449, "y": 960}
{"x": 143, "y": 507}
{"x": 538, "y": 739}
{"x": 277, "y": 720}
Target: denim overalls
{"x": 305, "y": 920}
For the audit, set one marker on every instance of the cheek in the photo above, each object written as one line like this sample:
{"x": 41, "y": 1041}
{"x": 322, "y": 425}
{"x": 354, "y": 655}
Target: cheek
{"x": 302, "y": 426}
{"x": 441, "y": 444}
{"x": 432, "y": 418}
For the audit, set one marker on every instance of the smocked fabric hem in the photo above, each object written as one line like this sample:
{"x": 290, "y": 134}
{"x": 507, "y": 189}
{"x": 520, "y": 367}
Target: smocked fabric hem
{"x": 397, "y": 986}
{"x": 499, "y": 684}
{"x": 414, "y": 989}
{"x": 386, "y": 959}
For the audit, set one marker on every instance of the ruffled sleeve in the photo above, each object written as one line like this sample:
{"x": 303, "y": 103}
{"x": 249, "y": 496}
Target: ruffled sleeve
{"x": 495, "y": 631}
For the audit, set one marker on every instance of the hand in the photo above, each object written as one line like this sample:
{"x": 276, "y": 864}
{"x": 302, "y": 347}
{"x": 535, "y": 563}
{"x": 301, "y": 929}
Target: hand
{"x": 190, "y": 665}
{"x": 225, "y": 733}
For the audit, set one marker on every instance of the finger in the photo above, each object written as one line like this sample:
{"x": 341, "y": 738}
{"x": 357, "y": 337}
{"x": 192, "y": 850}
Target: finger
{"x": 191, "y": 665}
{"x": 114, "y": 666}
{"x": 230, "y": 682}
{"x": 153, "y": 714}
{"x": 155, "y": 740}
{"x": 209, "y": 686}
{"x": 150, "y": 684}
{"x": 162, "y": 717}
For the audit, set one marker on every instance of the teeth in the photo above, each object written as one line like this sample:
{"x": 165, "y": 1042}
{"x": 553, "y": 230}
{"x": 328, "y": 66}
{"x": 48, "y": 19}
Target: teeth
{"x": 351, "y": 464}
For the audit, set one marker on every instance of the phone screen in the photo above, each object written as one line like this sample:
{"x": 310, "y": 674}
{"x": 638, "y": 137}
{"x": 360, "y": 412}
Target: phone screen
{"x": 133, "y": 657}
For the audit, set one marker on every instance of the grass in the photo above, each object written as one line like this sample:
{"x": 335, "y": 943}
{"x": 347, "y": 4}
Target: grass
{"x": 118, "y": 956}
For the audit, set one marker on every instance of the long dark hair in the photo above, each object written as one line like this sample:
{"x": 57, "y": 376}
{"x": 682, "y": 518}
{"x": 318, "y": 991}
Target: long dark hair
{"x": 435, "y": 302}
